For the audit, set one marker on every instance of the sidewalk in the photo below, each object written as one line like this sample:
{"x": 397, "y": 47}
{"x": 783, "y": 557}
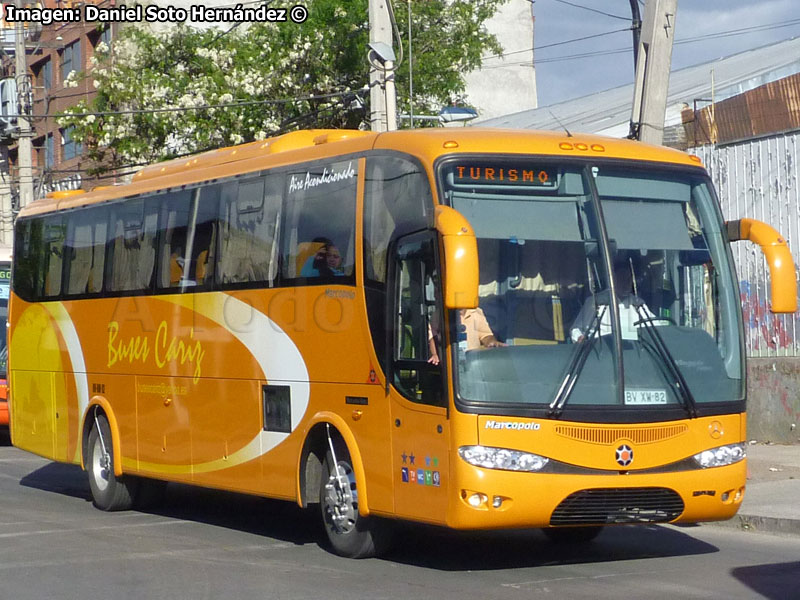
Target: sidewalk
{"x": 772, "y": 499}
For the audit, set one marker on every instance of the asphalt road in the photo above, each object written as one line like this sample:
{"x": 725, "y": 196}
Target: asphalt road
{"x": 204, "y": 544}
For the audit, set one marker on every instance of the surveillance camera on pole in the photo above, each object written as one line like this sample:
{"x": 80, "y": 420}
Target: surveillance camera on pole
{"x": 383, "y": 96}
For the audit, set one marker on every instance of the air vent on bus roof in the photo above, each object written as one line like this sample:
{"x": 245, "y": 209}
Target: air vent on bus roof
{"x": 61, "y": 194}
{"x": 283, "y": 143}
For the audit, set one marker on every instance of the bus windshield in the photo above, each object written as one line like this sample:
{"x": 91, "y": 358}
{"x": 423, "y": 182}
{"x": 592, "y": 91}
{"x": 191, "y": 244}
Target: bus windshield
{"x": 552, "y": 236}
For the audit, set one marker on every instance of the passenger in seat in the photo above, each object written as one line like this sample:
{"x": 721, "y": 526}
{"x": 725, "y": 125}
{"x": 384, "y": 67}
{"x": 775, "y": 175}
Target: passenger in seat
{"x": 326, "y": 262}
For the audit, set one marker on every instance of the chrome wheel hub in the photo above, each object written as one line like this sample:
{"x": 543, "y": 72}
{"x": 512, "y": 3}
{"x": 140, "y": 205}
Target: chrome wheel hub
{"x": 341, "y": 499}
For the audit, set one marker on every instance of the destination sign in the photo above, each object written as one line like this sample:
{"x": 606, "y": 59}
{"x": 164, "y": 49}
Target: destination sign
{"x": 503, "y": 174}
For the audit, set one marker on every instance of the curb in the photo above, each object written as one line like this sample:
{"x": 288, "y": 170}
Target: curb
{"x": 761, "y": 524}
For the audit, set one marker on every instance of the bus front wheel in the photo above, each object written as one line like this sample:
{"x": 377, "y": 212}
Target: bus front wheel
{"x": 349, "y": 533}
{"x": 109, "y": 492}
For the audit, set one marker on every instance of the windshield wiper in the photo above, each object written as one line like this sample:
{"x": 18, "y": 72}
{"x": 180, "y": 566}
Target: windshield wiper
{"x": 575, "y": 365}
{"x": 661, "y": 349}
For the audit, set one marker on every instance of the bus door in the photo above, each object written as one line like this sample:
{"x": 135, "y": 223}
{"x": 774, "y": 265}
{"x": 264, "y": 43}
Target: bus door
{"x": 420, "y": 428}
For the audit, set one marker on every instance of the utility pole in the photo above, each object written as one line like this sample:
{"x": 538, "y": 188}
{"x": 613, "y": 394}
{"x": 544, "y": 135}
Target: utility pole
{"x": 652, "y": 71}
{"x": 25, "y": 142}
{"x": 636, "y": 28}
{"x": 383, "y": 96}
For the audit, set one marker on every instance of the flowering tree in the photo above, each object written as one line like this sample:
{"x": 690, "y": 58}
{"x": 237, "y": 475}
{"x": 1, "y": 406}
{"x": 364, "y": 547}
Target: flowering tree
{"x": 183, "y": 90}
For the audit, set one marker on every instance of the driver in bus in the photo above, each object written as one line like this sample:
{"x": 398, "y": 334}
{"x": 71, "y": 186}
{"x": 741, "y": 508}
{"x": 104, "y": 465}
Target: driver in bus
{"x": 628, "y": 303}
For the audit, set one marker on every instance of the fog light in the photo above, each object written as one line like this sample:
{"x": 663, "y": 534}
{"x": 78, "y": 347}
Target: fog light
{"x": 725, "y": 496}
{"x": 497, "y": 502}
{"x": 476, "y": 500}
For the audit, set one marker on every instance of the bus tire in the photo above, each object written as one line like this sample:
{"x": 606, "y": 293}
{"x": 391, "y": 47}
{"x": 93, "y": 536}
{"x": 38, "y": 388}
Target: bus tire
{"x": 109, "y": 492}
{"x": 350, "y": 534}
{"x": 573, "y": 535}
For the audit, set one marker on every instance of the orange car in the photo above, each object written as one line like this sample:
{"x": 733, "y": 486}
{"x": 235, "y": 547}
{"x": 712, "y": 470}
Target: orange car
{"x": 3, "y": 402}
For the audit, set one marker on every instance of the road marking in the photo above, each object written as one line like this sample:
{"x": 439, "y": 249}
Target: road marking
{"x": 188, "y": 553}
{"x": 522, "y": 584}
{"x": 85, "y": 529}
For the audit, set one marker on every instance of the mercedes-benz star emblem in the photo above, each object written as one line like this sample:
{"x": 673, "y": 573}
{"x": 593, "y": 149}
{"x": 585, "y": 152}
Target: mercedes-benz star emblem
{"x": 624, "y": 455}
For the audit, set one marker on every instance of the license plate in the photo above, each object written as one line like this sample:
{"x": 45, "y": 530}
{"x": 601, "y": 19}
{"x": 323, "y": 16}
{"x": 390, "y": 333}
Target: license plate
{"x": 645, "y": 397}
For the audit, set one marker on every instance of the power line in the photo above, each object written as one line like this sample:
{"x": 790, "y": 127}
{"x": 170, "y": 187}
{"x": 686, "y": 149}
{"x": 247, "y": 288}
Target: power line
{"x": 691, "y": 40}
{"x": 202, "y": 107}
{"x": 580, "y": 39}
{"x": 594, "y": 10}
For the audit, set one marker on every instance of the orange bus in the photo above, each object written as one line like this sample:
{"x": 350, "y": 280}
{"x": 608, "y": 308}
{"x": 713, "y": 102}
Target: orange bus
{"x": 5, "y": 284}
{"x": 478, "y": 329}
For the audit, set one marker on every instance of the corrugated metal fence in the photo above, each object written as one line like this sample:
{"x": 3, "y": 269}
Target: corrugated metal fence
{"x": 758, "y": 179}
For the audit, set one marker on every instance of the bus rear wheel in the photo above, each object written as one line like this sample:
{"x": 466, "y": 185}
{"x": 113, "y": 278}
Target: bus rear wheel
{"x": 109, "y": 492}
{"x": 349, "y": 533}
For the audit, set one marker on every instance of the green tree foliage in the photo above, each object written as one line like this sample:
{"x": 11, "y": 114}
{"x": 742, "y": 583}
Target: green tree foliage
{"x": 272, "y": 70}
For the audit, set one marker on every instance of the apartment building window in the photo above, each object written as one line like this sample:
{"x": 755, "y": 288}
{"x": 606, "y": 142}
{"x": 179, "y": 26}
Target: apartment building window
{"x": 49, "y": 151}
{"x": 70, "y": 147}
{"x": 47, "y": 75}
{"x": 105, "y": 36}
{"x": 70, "y": 59}
{"x": 43, "y": 72}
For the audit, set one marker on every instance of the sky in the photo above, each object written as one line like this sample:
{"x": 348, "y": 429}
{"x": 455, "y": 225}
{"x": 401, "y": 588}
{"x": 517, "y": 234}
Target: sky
{"x": 755, "y": 22}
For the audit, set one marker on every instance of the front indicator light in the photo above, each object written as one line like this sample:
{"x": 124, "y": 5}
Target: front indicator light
{"x": 721, "y": 456}
{"x": 502, "y": 458}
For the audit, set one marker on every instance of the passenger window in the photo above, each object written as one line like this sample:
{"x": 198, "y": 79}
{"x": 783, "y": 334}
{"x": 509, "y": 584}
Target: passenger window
{"x": 133, "y": 247}
{"x": 319, "y": 228}
{"x": 86, "y": 251}
{"x": 28, "y": 250}
{"x": 188, "y": 238}
{"x": 250, "y": 221}
{"x": 397, "y": 201}
{"x": 173, "y": 267}
{"x": 55, "y": 238}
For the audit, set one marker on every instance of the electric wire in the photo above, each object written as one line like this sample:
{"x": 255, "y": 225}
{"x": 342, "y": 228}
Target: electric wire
{"x": 594, "y": 10}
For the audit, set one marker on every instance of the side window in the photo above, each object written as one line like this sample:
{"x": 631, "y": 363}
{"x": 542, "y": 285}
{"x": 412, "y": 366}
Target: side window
{"x": 187, "y": 238}
{"x": 203, "y": 249}
{"x": 397, "y": 201}
{"x": 86, "y": 246}
{"x": 251, "y": 214}
{"x": 173, "y": 268}
{"x": 318, "y": 241}
{"x": 54, "y": 242}
{"x": 417, "y": 322}
{"x": 133, "y": 246}
{"x": 29, "y": 258}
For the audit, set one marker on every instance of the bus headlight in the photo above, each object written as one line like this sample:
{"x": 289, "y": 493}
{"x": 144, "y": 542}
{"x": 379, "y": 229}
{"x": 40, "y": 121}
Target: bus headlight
{"x": 719, "y": 457}
{"x": 502, "y": 458}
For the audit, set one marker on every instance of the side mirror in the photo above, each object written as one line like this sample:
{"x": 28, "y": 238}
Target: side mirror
{"x": 779, "y": 259}
{"x": 460, "y": 259}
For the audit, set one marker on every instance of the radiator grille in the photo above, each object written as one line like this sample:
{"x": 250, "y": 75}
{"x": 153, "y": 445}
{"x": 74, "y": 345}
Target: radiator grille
{"x": 618, "y": 505}
{"x": 606, "y": 435}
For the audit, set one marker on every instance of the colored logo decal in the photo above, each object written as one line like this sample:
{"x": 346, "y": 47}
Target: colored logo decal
{"x": 404, "y": 474}
{"x": 412, "y": 476}
{"x": 428, "y": 477}
{"x": 624, "y": 455}
{"x": 421, "y": 476}
{"x": 437, "y": 479}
